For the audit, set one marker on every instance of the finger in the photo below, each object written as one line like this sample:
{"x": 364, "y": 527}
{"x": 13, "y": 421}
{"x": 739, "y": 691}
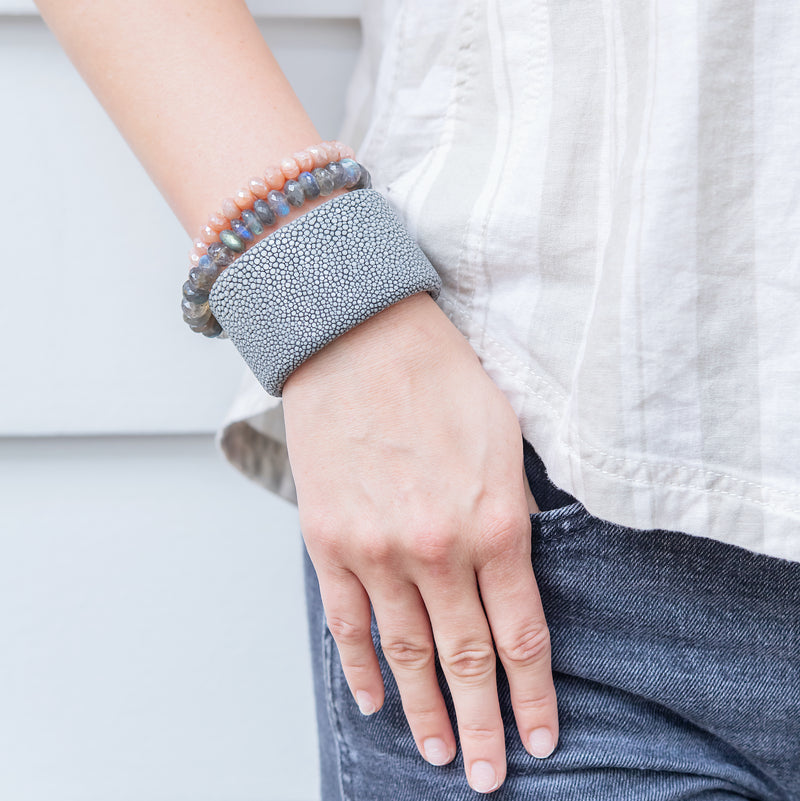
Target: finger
{"x": 466, "y": 653}
{"x": 407, "y": 643}
{"x": 519, "y": 629}
{"x": 347, "y": 612}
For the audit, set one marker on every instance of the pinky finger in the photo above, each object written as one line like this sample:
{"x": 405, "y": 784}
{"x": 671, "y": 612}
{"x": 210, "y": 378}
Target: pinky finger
{"x": 347, "y": 611}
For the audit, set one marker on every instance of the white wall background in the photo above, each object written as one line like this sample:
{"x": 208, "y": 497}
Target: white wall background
{"x": 152, "y": 634}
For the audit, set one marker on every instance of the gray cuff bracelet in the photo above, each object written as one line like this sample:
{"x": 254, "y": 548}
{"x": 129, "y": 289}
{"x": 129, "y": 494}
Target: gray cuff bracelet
{"x": 315, "y": 278}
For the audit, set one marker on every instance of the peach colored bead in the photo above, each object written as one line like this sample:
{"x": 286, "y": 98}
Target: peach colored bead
{"x": 244, "y": 199}
{"x": 258, "y": 187}
{"x": 230, "y": 209}
{"x": 196, "y": 252}
{"x": 290, "y": 169}
{"x": 305, "y": 161}
{"x": 208, "y": 234}
{"x": 200, "y": 246}
{"x": 274, "y": 178}
{"x": 219, "y": 222}
{"x": 319, "y": 155}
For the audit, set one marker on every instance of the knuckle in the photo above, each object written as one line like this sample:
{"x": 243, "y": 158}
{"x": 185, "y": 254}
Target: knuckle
{"x": 535, "y": 705}
{"x": 346, "y": 632}
{"x": 471, "y": 662}
{"x": 504, "y": 533}
{"x": 357, "y": 665}
{"x": 322, "y": 534}
{"x": 432, "y": 545}
{"x": 531, "y": 648}
{"x": 312, "y": 517}
{"x": 378, "y": 550}
{"x": 316, "y": 526}
{"x": 423, "y": 714}
{"x": 408, "y": 654}
{"x": 477, "y": 733}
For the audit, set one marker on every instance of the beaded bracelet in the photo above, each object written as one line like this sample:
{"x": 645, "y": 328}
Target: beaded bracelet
{"x": 253, "y": 210}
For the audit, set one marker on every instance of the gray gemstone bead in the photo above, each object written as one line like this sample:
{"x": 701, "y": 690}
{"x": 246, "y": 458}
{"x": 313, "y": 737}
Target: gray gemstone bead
{"x": 194, "y": 295}
{"x": 338, "y": 173}
{"x": 309, "y": 184}
{"x": 264, "y": 212}
{"x": 241, "y": 230}
{"x": 219, "y": 254}
{"x": 278, "y": 203}
{"x": 211, "y": 329}
{"x": 294, "y": 193}
{"x": 315, "y": 278}
{"x": 352, "y": 172}
{"x": 195, "y": 313}
{"x": 203, "y": 274}
{"x": 250, "y": 219}
{"x": 232, "y": 240}
{"x": 324, "y": 180}
{"x": 364, "y": 180}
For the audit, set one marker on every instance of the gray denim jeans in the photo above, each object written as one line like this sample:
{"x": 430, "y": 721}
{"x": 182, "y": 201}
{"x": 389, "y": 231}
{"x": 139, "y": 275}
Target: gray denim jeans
{"x": 676, "y": 662}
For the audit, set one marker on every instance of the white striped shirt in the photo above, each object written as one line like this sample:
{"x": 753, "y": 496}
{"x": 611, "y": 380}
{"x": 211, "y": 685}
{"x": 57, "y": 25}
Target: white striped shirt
{"x": 610, "y": 191}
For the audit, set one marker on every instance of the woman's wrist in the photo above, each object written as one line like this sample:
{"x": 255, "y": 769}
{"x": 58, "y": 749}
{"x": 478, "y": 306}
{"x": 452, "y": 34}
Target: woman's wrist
{"x": 406, "y": 333}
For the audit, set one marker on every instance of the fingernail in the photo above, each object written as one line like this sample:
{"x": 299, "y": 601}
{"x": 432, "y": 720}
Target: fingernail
{"x": 482, "y": 777}
{"x": 365, "y": 702}
{"x": 540, "y": 743}
{"x": 436, "y": 751}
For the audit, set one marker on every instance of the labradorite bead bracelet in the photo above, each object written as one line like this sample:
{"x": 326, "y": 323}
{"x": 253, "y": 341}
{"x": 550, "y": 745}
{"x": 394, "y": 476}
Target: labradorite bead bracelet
{"x": 252, "y": 211}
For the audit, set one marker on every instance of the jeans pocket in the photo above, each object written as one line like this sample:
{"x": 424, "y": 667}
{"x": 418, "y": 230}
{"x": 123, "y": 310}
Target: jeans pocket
{"x": 553, "y": 522}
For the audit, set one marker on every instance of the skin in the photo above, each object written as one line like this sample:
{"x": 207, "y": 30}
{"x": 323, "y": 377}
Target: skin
{"x": 406, "y": 456}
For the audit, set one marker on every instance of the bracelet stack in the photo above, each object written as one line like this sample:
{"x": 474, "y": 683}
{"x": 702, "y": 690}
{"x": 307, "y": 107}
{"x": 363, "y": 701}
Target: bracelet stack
{"x": 308, "y": 281}
{"x": 317, "y": 171}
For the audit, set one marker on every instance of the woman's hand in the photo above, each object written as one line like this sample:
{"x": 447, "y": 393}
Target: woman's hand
{"x": 412, "y": 496}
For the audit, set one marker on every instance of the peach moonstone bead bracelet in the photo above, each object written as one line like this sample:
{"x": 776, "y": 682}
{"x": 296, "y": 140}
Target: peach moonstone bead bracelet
{"x": 257, "y": 188}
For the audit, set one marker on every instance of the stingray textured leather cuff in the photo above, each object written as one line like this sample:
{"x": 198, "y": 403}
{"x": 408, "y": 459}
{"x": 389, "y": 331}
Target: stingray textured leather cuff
{"x": 315, "y": 278}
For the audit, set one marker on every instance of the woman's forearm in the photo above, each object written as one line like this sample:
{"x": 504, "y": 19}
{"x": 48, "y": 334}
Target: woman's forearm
{"x": 193, "y": 88}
